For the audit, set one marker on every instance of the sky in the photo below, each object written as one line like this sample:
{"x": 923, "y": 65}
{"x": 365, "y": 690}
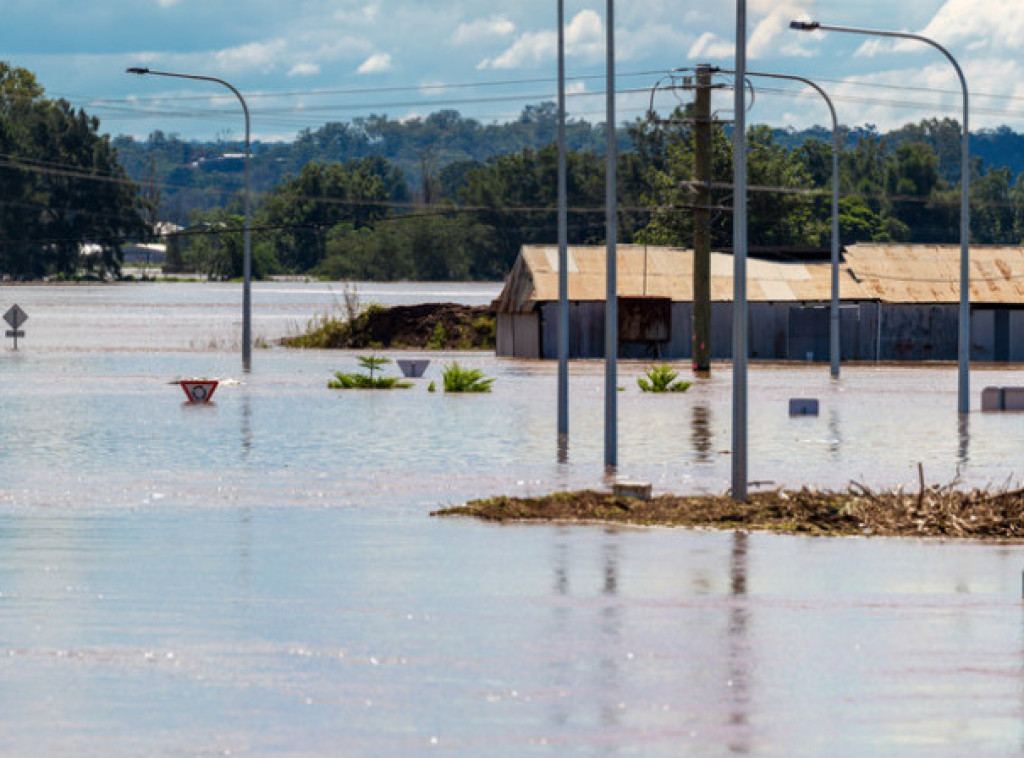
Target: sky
{"x": 302, "y": 63}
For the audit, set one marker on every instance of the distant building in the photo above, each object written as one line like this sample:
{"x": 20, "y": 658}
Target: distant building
{"x": 898, "y": 302}
{"x": 226, "y": 162}
{"x": 147, "y": 253}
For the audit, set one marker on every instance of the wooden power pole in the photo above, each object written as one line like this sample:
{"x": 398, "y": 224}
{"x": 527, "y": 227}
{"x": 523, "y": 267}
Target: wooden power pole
{"x": 702, "y": 222}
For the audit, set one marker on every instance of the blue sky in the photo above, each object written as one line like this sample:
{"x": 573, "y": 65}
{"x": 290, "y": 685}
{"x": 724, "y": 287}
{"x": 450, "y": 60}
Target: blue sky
{"x": 305, "y": 62}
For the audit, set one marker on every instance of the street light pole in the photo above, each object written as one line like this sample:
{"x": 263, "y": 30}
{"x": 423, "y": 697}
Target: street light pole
{"x": 563, "y": 251}
{"x": 739, "y": 261}
{"x": 611, "y": 309}
{"x": 247, "y": 234}
{"x": 964, "y": 323}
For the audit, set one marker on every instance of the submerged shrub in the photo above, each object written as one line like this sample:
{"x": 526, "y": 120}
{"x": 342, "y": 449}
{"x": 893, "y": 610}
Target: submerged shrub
{"x": 662, "y": 379}
{"x": 372, "y": 363}
{"x": 459, "y": 379}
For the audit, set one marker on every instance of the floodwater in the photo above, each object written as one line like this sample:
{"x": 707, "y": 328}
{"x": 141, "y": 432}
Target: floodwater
{"x": 260, "y": 576}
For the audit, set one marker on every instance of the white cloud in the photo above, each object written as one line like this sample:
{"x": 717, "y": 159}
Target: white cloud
{"x": 304, "y": 69}
{"x": 584, "y": 37}
{"x": 483, "y": 29}
{"x": 261, "y": 56}
{"x": 709, "y": 45}
{"x": 980, "y": 24}
{"x": 376, "y": 64}
{"x": 529, "y": 49}
{"x": 772, "y": 35}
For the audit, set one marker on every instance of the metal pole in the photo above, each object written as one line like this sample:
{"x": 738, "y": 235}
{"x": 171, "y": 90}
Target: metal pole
{"x": 739, "y": 254}
{"x": 701, "y": 339}
{"x": 247, "y": 234}
{"x": 964, "y": 323}
{"x": 611, "y": 311}
{"x": 563, "y": 249}
{"x": 834, "y": 343}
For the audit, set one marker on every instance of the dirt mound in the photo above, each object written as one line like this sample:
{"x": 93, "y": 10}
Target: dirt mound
{"x": 426, "y": 326}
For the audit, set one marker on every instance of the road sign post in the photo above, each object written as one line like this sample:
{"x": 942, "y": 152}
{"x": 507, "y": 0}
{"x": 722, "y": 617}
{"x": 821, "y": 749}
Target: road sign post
{"x": 15, "y": 317}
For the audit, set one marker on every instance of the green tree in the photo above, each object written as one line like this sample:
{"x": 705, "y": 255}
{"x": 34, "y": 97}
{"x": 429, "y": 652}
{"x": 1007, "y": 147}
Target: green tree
{"x": 67, "y": 205}
{"x": 305, "y": 209}
{"x": 430, "y": 247}
{"x": 780, "y": 207}
{"x": 995, "y": 213}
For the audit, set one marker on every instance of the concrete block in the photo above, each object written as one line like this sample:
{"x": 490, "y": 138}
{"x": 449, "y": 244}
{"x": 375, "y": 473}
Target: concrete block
{"x": 992, "y": 399}
{"x": 1002, "y": 399}
{"x": 803, "y": 406}
{"x": 1013, "y": 398}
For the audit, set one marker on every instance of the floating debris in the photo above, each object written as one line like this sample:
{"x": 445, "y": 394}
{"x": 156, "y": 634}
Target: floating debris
{"x": 933, "y": 511}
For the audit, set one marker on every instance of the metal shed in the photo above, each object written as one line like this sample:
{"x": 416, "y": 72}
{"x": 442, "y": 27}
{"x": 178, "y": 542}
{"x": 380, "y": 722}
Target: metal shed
{"x": 898, "y": 302}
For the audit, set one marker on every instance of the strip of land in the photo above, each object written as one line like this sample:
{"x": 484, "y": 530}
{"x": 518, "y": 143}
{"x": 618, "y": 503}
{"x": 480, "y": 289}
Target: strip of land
{"x": 941, "y": 512}
{"x": 426, "y": 326}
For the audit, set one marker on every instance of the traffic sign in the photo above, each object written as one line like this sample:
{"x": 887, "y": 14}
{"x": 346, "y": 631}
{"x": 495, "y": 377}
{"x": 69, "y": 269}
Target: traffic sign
{"x": 15, "y": 316}
{"x": 199, "y": 390}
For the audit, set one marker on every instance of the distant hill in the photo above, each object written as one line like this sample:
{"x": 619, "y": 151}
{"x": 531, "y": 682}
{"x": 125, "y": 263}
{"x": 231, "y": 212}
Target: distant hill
{"x": 204, "y": 175}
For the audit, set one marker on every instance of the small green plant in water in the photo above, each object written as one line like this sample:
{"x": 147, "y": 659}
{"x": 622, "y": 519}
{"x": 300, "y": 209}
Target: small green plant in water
{"x": 459, "y": 379}
{"x": 370, "y": 381}
{"x": 662, "y": 379}
{"x": 438, "y": 339}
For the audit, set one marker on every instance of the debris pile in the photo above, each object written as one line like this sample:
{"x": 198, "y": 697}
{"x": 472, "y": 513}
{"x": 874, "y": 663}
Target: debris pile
{"x": 930, "y": 512}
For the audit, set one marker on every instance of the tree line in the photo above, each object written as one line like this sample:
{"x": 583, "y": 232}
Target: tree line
{"x": 361, "y": 219}
{"x": 454, "y": 199}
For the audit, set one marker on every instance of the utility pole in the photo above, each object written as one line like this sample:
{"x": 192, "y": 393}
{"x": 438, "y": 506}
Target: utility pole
{"x": 702, "y": 222}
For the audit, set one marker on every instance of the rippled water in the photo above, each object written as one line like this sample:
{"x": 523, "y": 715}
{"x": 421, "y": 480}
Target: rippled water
{"x": 261, "y": 577}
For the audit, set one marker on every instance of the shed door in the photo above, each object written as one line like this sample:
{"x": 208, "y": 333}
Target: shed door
{"x": 808, "y": 333}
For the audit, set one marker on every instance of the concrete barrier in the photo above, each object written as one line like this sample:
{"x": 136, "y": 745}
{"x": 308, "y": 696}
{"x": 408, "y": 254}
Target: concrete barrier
{"x": 1002, "y": 399}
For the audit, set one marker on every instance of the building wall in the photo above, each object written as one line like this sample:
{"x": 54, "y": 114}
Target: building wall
{"x": 997, "y": 334}
{"x": 781, "y": 331}
{"x": 517, "y": 335}
{"x": 918, "y": 332}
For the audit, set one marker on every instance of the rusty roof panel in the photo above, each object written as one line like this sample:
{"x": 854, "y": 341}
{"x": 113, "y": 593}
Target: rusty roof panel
{"x": 889, "y": 273}
{"x": 931, "y": 273}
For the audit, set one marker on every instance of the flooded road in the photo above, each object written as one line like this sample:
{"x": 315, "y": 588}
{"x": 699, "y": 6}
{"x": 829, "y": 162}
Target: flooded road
{"x": 261, "y": 577}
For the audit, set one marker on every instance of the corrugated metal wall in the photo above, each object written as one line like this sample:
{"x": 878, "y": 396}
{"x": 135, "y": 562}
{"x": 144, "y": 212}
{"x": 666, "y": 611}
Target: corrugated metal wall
{"x": 781, "y": 331}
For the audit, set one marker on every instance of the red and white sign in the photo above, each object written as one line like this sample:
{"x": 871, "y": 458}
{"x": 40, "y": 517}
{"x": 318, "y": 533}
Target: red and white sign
{"x": 199, "y": 390}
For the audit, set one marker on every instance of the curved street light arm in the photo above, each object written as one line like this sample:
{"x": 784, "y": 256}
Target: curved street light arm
{"x": 834, "y": 331}
{"x": 964, "y": 318}
{"x": 247, "y": 241}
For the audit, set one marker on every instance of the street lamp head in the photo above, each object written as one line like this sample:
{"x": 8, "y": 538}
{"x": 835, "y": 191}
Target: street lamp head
{"x": 804, "y": 26}
{"x": 136, "y": 70}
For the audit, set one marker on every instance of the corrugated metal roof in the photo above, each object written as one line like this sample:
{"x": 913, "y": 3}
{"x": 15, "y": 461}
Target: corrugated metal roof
{"x": 888, "y": 273}
{"x": 931, "y": 273}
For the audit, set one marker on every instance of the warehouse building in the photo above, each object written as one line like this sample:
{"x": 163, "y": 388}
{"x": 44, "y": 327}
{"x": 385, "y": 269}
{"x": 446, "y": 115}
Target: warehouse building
{"x": 897, "y": 302}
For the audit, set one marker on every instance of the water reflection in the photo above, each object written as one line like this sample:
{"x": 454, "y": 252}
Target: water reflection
{"x": 835, "y": 438}
{"x": 700, "y": 435}
{"x": 964, "y": 438}
{"x": 593, "y": 668}
{"x": 739, "y": 648}
{"x": 246, "y": 422}
{"x": 563, "y": 448}
{"x": 611, "y": 631}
